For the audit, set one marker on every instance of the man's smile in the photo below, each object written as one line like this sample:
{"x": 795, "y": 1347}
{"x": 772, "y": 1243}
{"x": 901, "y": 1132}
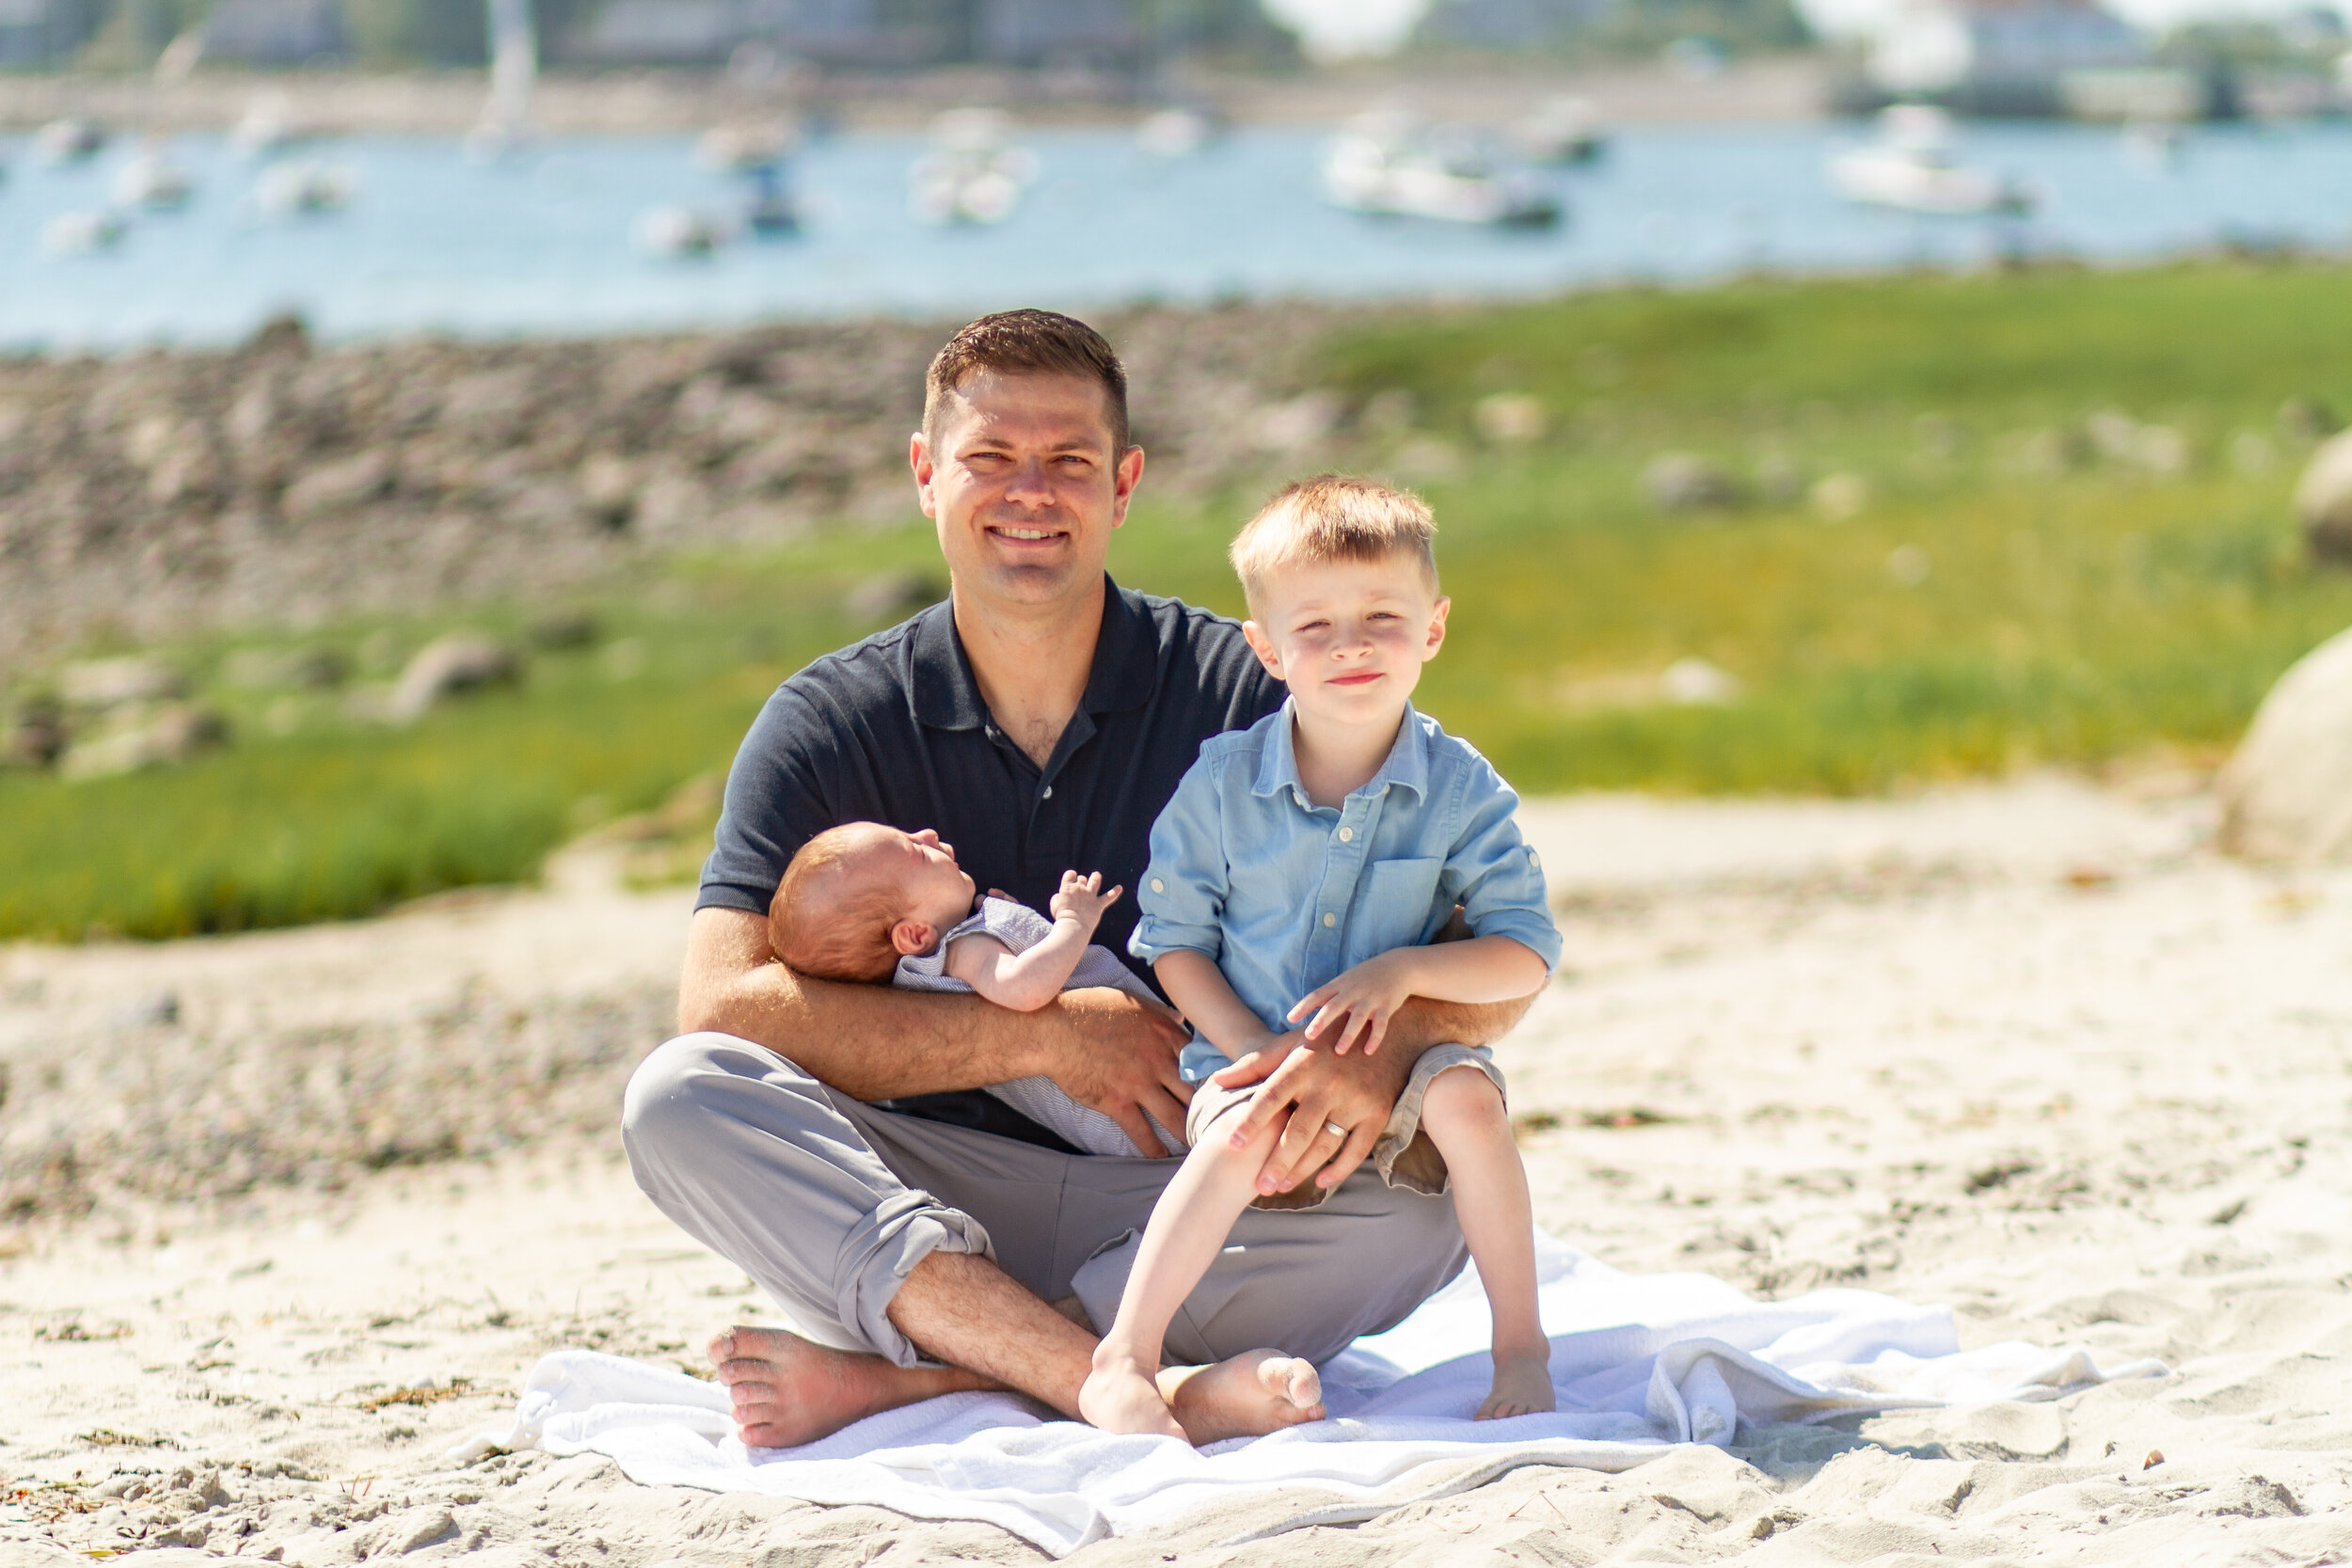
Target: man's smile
{"x": 1023, "y": 535}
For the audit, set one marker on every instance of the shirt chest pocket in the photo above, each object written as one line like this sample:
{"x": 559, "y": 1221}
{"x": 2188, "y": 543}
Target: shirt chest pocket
{"x": 1393, "y": 906}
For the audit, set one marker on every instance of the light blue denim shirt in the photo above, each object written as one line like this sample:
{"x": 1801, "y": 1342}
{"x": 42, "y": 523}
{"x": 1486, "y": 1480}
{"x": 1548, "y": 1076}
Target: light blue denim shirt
{"x": 1285, "y": 895}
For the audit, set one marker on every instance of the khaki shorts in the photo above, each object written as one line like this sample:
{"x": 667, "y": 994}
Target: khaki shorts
{"x": 1404, "y": 1156}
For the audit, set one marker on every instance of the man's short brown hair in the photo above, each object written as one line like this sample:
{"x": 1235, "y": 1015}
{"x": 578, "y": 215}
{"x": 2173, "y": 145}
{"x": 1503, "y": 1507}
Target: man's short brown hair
{"x": 834, "y": 933}
{"x": 1028, "y": 343}
{"x": 1334, "y": 518}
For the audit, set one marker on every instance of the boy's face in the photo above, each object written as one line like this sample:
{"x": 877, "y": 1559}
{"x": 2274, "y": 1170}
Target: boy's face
{"x": 1348, "y": 637}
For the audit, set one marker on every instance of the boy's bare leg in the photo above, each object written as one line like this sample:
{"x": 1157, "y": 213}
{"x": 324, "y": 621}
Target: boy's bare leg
{"x": 1465, "y": 1116}
{"x": 1128, "y": 1390}
{"x": 963, "y": 1309}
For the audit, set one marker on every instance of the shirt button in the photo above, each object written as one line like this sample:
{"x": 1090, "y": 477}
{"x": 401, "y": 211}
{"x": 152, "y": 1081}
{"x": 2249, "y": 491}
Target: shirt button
{"x": 1049, "y": 793}
{"x": 1532, "y": 860}
{"x": 1348, "y": 836}
{"x": 1158, "y": 886}
{"x": 1329, "y": 919}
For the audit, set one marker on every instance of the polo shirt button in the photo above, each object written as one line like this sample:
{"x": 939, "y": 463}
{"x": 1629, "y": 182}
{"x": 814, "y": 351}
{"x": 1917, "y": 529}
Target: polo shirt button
{"x": 1329, "y": 919}
{"x": 1348, "y": 836}
{"x": 1158, "y": 886}
{"x": 1049, "y": 793}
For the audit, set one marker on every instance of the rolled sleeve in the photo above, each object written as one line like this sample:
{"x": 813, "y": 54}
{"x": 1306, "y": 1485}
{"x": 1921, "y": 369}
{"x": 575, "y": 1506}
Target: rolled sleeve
{"x": 1180, "y": 903}
{"x": 1492, "y": 874}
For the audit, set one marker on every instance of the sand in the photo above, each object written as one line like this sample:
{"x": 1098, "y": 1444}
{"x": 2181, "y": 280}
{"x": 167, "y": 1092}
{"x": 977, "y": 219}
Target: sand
{"x": 2032, "y": 1050}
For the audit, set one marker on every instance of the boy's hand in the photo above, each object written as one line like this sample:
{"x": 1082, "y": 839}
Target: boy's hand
{"x": 1082, "y": 898}
{"x": 1358, "y": 1004}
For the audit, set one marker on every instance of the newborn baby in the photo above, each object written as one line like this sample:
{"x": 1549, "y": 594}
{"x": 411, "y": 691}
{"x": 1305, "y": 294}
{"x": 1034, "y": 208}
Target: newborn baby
{"x": 865, "y": 902}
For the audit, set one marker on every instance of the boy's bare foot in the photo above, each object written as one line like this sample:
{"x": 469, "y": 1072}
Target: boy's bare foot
{"x": 1522, "y": 1388}
{"x": 1118, "y": 1395}
{"x": 1249, "y": 1395}
{"x": 788, "y": 1391}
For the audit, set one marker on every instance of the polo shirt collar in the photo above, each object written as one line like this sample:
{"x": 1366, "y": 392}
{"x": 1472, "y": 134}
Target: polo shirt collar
{"x": 945, "y": 696}
{"x": 1406, "y": 765}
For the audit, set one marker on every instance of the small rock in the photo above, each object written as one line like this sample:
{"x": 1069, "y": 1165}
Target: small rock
{"x": 1510, "y": 419}
{"x": 2322, "y": 502}
{"x": 459, "y": 663}
{"x": 2286, "y": 795}
{"x": 1295, "y": 425}
{"x": 2307, "y": 419}
{"x": 339, "y": 487}
{"x": 890, "y": 595}
{"x": 567, "y": 629}
{"x": 1838, "y": 497}
{"x": 100, "y": 683}
{"x": 1682, "y": 482}
{"x": 2156, "y": 1457}
{"x": 164, "y": 737}
{"x": 1696, "y": 683}
{"x": 284, "y": 335}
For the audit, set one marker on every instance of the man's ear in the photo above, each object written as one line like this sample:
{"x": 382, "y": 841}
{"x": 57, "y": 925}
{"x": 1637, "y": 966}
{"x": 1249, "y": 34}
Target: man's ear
{"x": 912, "y": 937}
{"x": 1125, "y": 475}
{"x": 919, "y": 459}
{"x": 1262, "y": 646}
{"x": 1437, "y": 629}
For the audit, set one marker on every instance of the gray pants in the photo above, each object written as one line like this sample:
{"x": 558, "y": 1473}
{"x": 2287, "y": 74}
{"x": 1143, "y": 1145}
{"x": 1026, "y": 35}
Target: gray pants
{"x": 828, "y": 1204}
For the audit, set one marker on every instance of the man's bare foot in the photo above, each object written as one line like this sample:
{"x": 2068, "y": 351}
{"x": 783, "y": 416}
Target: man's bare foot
{"x": 1251, "y": 1394}
{"x": 1522, "y": 1388}
{"x": 1120, "y": 1396}
{"x": 788, "y": 1391}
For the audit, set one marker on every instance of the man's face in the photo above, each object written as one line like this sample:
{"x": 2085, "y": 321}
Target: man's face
{"x": 1024, "y": 487}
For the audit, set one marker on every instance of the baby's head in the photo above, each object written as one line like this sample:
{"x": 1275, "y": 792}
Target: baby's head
{"x": 1342, "y": 579}
{"x": 858, "y": 895}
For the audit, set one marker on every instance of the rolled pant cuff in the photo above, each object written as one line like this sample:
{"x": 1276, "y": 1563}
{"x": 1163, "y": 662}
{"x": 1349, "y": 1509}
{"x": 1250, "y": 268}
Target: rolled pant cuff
{"x": 877, "y": 1257}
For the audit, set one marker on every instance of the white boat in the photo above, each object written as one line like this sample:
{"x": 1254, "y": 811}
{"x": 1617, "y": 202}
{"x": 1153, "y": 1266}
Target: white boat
{"x": 1392, "y": 164}
{"x": 1176, "y": 133}
{"x": 266, "y": 127}
{"x": 152, "y": 181}
{"x": 306, "y": 187}
{"x": 969, "y": 176}
{"x": 505, "y": 122}
{"x": 72, "y": 140}
{"x": 1911, "y": 168}
{"x": 744, "y": 149}
{"x": 1561, "y": 129}
{"x": 81, "y": 234}
{"x": 673, "y": 233}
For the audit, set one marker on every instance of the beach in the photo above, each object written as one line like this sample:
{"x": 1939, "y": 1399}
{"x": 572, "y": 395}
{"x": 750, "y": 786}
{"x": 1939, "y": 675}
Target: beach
{"x": 290, "y": 1215}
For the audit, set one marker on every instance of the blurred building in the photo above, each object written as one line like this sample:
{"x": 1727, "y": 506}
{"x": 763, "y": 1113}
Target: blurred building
{"x": 1996, "y": 56}
{"x": 274, "y": 32}
{"x": 864, "y": 33}
{"x": 39, "y": 33}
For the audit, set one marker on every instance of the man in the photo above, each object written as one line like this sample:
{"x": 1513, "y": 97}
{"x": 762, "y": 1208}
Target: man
{"x": 825, "y": 1137}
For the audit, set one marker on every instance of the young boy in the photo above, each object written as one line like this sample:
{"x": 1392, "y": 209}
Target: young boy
{"x": 1298, "y": 877}
{"x": 865, "y": 902}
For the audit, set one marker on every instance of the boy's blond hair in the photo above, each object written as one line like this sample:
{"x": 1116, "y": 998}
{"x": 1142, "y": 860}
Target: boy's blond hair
{"x": 1334, "y": 518}
{"x": 823, "y": 926}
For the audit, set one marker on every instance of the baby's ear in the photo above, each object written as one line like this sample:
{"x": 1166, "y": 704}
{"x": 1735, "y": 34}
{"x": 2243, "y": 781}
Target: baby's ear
{"x": 913, "y": 936}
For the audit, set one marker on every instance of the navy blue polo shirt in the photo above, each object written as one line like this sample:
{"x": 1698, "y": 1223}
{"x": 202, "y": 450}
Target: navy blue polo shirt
{"x": 893, "y": 729}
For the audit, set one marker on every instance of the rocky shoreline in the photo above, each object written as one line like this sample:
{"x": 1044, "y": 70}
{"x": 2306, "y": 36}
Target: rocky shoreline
{"x": 282, "y": 483}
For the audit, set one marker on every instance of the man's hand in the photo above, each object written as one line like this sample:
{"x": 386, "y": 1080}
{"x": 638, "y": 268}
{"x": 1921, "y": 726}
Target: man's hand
{"x": 1117, "y": 1053}
{"x": 1317, "y": 1089}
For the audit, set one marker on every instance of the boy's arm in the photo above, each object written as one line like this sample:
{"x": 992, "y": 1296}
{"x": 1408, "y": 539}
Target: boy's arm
{"x": 1205, "y": 997}
{"x": 1358, "y": 1006}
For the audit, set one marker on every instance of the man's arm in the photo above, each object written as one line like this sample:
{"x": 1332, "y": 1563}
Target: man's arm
{"x": 1103, "y": 1047}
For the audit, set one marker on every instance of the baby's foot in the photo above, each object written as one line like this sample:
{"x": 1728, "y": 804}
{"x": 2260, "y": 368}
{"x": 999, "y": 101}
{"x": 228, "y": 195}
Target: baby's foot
{"x": 1522, "y": 1388}
{"x": 1246, "y": 1396}
{"x": 1119, "y": 1395}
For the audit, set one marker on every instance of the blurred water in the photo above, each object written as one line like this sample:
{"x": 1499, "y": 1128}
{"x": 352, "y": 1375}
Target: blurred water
{"x": 538, "y": 243}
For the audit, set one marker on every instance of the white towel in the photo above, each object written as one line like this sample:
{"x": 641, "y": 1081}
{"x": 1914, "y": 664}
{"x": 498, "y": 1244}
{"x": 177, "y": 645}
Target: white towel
{"x": 1640, "y": 1362}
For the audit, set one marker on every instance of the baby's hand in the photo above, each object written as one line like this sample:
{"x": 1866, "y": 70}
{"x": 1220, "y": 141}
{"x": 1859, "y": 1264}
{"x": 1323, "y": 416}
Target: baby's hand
{"x": 1082, "y": 898}
{"x": 1358, "y": 1004}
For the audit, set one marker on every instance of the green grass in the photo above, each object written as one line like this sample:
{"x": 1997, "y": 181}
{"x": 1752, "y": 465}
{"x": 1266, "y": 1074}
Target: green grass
{"x": 2075, "y": 618}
